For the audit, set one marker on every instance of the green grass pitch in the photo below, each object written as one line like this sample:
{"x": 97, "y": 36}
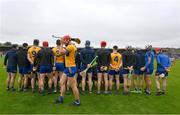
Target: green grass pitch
{"x": 15, "y": 102}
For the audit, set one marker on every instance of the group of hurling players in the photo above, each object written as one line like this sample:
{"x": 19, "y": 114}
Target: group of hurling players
{"x": 57, "y": 70}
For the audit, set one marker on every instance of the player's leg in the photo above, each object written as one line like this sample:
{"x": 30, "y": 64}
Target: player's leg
{"x": 38, "y": 77}
{"x": 13, "y": 76}
{"x": 33, "y": 82}
{"x": 8, "y": 81}
{"x": 158, "y": 85}
{"x": 20, "y": 88}
{"x": 83, "y": 82}
{"x": 99, "y": 75}
{"x": 49, "y": 75}
{"x": 59, "y": 75}
{"x": 134, "y": 82}
{"x": 128, "y": 84}
{"x": 76, "y": 76}
{"x": 25, "y": 82}
{"x": 117, "y": 84}
{"x": 63, "y": 82}
{"x": 148, "y": 84}
{"x": 140, "y": 87}
{"x": 110, "y": 82}
{"x": 67, "y": 87}
{"x": 125, "y": 79}
{"x": 41, "y": 83}
{"x": 164, "y": 84}
{"x": 106, "y": 82}
{"x": 73, "y": 85}
{"x": 55, "y": 80}
{"x": 90, "y": 82}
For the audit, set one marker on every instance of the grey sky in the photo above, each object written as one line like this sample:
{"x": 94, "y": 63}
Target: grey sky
{"x": 119, "y": 22}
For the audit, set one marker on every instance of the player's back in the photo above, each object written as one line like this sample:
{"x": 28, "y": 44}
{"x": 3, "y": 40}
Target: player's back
{"x": 45, "y": 57}
{"x": 70, "y": 56}
{"x": 10, "y": 58}
{"x": 32, "y": 51}
{"x": 22, "y": 58}
{"x": 87, "y": 55}
{"x": 116, "y": 59}
{"x": 58, "y": 55}
{"x": 103, "y": 57}
{"x": 128, "y": 59}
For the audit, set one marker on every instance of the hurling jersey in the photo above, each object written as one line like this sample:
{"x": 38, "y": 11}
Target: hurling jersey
{"x": 59, "y": 56}
{"x": 70, "y": 55}
{"x": 116, "y": 60}
{"x": 32, "y": 51}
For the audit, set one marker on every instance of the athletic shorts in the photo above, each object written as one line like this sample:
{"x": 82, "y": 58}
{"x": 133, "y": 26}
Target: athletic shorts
{"x": 125, "y": 71}
{"x": 73, "y": 71}
{"x": 148, "y": 71}
{"x": 138, "y": 72}
{"x": 31, "y": 67}
{"x": 113, "y": 72}
{"x": 161, "y": 72}
{"x": 121, "y": 72}
{"x": 45, "y": 69}
{"x": 83, "y": 67}
{"x": 59, "y": 66}
{"x": 99, "y": 70}
{"x": 24, "y": 70}
{"x": 12, "y": 69}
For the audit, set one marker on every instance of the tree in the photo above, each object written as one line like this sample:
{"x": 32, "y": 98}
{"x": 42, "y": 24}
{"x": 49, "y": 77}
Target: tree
{"x": 7, "y": 44}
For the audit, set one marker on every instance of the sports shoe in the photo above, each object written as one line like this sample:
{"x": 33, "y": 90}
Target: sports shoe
{"x": 83, "y": 92}
{"x": 117, "y": 92}
{"x": 7, "y": 89}
{"x": 106, "y": 92}
{"x": 75, "y": 103}
{"x": 24, "y": 90}
{"x": 147, "y": 92}
{"x": 98, "y": 92}
{"x": 158, "y": 93}
{"x": 163, "y": 92}
{"x": 20, "y": 90}
{"x": 126, "y": 93}
{"x": 55, "y": 91}
{"x": 109, "y": 92}
{"x": 139, "y": 91}
{"x": 60, "y": 100}
{"x": 134, "y": 91}
{"x": 49, "y": 91}
{"x": 42, "y": 92}
{"x": 13, "y": 89}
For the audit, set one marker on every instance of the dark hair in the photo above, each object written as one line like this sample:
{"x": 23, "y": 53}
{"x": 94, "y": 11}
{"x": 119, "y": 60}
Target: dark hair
{"x": 87, "y": 43}
{"x": 129, "y": 48}
{"x": 25, "y": 45}
{"x": 115, "y": 47}
{"x": 36, "y": 42}
{"x": 58, "y": 42}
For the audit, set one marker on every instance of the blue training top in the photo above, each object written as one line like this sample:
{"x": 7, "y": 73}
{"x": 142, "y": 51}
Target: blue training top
{"x": 163, "y": 62}
{"x": 10, "y": 58}
{"x": 87, "y": 55}
{"x": 149, "y": 55}
{"x": 140, "y": 60}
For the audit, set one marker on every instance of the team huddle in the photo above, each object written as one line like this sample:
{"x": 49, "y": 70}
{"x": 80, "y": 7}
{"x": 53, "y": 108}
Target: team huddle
{"x": 60, "y": 67}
